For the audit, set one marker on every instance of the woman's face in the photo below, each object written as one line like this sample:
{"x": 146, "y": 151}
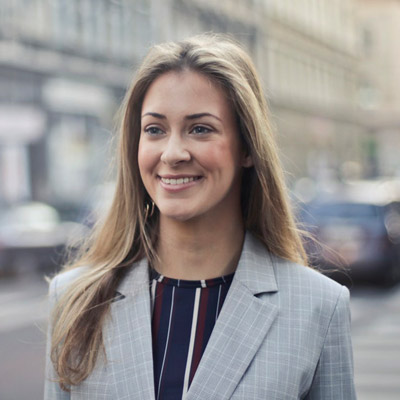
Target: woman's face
{"x": 190, "y": 156}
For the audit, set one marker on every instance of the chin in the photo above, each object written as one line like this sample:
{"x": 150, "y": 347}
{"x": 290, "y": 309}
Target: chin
{"x": 181, "y": 215}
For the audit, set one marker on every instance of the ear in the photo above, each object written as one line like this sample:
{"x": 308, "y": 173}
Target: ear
{"x": 247, "y": 160}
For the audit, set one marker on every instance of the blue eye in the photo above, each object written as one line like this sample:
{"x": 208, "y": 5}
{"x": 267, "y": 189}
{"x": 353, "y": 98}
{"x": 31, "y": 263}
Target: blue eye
{"x": 200, "y": 130}
{"x": 153, "y": 130}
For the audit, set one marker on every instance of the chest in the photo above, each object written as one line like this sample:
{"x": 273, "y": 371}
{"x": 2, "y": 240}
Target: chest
{"x": 254, "y": 352}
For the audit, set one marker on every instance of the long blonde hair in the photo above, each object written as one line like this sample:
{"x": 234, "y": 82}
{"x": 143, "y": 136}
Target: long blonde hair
{"x": 116, "y": 244}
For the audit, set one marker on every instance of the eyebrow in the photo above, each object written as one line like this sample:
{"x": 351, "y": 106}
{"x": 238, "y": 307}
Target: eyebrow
{"x": 156, "y": 115}
{"x": 195, "y": 116}
{"x": 189, "y": 117}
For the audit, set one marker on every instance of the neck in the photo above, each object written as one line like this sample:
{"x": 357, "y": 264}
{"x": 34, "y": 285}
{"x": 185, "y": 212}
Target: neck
{"x": 197, "y": 250}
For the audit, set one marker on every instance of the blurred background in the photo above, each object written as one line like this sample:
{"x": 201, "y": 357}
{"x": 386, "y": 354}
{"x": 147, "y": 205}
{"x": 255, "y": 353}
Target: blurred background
{"x": 331, "y": 72}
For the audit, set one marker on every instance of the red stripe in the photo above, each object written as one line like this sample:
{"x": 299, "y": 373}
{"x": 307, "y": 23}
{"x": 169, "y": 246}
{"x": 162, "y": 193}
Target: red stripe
{"x": 201, "y": 323}
{"x": 157, "y": 311}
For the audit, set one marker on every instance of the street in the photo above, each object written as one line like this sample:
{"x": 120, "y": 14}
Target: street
{"x": 376, "y": 343}
{"x": 376, "y": 340}
{"x": 23, "y": 312}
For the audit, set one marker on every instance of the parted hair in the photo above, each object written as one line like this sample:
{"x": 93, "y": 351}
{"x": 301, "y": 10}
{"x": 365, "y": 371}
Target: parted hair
{"x": 129, "y": 232}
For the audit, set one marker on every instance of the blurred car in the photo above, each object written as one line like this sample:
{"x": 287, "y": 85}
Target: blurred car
{"x": 357, "y": 234}
{"x": 32, "y": 238}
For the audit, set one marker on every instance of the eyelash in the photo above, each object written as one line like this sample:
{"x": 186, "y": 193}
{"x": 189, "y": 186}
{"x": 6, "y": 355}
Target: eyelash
{"x": 148, "y": 130}
{"x": 204, "y": 129}
{"x": 208, "y": 130}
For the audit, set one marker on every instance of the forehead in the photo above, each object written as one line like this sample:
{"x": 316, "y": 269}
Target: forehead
{"x": 185, "y": 90}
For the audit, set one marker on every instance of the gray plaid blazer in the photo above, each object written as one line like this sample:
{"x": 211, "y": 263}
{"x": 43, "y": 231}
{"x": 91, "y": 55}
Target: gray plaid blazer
{"x": 283, "y": 333}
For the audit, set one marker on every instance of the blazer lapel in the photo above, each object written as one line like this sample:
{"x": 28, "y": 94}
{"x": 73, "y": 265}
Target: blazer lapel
{"x": 240, "y": 328}
{"x": 130, "y": 340}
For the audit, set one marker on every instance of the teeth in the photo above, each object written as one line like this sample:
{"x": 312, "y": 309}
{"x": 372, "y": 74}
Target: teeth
{"x": 178, "y": 181}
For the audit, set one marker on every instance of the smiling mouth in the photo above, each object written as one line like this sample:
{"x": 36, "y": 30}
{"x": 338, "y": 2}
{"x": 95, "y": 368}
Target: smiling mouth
{"x": 179, "y": 181}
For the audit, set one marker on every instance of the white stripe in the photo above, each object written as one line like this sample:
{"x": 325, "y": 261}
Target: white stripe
{"x": 203, "y": 283}
{"x": 191, "y": 343}
{"x": 219, "y": 295}
{"x": 166, "y": 343}
{"x": 153, "y": 294}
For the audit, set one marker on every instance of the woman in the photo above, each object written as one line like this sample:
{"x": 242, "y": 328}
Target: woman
{"x": 191, "y": 287}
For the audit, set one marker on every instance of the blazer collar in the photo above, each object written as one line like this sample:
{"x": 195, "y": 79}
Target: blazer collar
{"x": 255, "y": 270}
{"x": 241, "y": 327}
{"x": 238, "y": 333}
{"x": 128, "y": 339}
{"x": 136, "y": 279}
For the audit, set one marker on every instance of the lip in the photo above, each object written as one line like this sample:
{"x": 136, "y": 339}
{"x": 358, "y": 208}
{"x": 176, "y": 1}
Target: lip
{"x": 177, "y": 176}
{"x": 181, "y": 186}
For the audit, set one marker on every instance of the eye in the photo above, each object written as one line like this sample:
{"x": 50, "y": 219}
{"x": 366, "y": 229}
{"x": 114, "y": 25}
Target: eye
{"x": 153, "y": 130}
{"x": 200, "y": 130}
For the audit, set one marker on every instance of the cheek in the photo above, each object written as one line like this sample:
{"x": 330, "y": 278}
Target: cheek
{"x": 146, "y": 158}
{"x": 220, "y": 156}
{"x": 209, "y": 156}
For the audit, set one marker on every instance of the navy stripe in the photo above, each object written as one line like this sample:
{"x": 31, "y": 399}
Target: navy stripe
{"x": 172, "y": 331}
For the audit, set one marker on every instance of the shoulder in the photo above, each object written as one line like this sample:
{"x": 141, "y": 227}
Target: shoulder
{"x": 305, "y": 288}
{"x": 297, "y": 275}
{"x": 63, "y": 280}
{"x": 264, "y": 271}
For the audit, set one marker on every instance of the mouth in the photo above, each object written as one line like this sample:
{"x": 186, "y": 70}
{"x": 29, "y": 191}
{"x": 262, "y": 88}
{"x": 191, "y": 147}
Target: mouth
{"x": 179, "y": 180}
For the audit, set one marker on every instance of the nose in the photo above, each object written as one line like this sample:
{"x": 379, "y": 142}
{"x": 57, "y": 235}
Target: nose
{"x": 175, "y": 151}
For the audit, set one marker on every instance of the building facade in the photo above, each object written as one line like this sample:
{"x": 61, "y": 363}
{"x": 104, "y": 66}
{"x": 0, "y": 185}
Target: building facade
{"x": 64, "y": 67}
{"x": 311, "y": 56}
{"x": 308, "y": 57}
{"x": 65, "y": 64}
{"x": 380, "y": 80}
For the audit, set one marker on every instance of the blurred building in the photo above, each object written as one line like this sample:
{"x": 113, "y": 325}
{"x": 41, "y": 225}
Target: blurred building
{"x": 308, "y": 57}
{"x": 64, "y": 67}
{"x": 65, "y": 64}
{"x": 380, "y": 80}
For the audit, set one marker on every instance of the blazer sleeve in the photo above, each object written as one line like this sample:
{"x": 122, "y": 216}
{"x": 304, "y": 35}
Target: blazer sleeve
{"x": 52, "y": 390}
{"x": 333, "y": 379}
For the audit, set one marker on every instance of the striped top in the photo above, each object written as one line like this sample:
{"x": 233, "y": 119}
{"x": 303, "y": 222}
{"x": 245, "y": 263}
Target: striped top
{"x": 184, "y": 314}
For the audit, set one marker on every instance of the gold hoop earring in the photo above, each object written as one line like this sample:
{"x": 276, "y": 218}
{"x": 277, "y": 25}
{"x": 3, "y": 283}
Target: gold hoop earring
{"x": 149, "y": 212}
